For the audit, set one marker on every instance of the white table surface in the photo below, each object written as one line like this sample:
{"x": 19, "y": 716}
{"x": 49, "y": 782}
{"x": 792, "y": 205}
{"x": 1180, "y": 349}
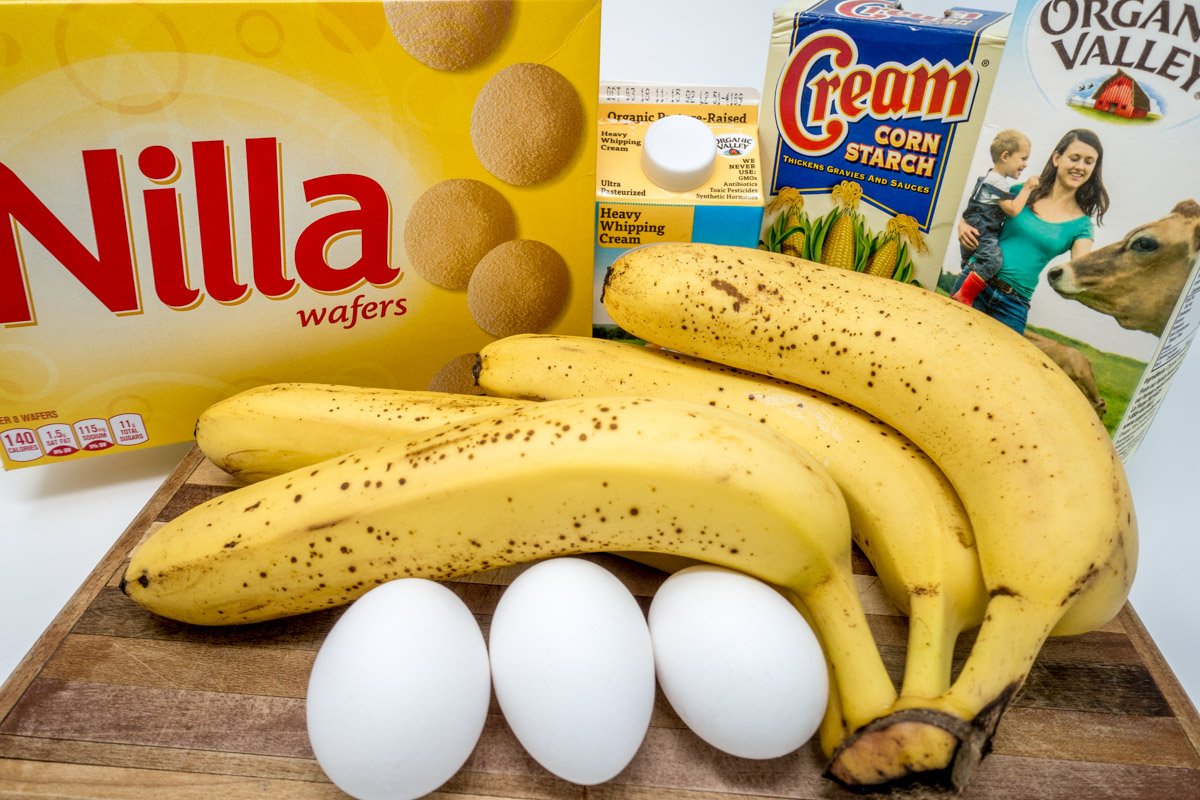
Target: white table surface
{"x": 57, "y": 522}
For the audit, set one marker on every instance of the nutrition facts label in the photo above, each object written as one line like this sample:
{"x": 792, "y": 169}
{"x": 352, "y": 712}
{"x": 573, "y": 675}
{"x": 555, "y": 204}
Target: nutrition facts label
{"x": 58, "y": 439}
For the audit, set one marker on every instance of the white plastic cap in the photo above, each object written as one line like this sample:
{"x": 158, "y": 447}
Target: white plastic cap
{"x": 679, "y": 153}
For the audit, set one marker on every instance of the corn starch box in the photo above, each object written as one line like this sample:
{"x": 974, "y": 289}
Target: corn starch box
{"x": 1120, "y": 84}
{"x": 871, "y": 114}
{"x": 674, "y": 164}
{"x": 199, "y": 197}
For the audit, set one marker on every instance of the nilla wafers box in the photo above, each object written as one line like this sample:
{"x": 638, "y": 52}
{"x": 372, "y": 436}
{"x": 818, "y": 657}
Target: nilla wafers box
{"x": 201, "y": 197}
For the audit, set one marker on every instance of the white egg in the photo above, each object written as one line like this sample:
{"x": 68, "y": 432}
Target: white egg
{"x": 737, "y": 662}
{"x": 399, "y": 691}
{"x": 573, "y": 669}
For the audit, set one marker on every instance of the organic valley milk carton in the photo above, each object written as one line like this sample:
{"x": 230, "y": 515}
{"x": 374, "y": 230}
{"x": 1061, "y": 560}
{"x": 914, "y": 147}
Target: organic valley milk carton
{"x": 1125, "y": 76}
{"x": 200, "y": 197}
{"x": 870, "y": 115}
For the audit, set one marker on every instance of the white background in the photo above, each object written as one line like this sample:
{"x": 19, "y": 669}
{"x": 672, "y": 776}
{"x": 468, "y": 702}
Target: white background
{"x": 57, "y": 522}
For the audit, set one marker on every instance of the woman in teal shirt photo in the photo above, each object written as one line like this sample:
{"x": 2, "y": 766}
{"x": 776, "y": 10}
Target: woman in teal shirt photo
{"x": 1057, "y": 218}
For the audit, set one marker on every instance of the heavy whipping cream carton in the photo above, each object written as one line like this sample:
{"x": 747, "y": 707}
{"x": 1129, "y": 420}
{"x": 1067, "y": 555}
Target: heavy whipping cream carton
{"x": 200, "y": 197}
{"x": 673, "y": 164}
{"x": 870, "y": 116}
{"x": 1108, "y": 95}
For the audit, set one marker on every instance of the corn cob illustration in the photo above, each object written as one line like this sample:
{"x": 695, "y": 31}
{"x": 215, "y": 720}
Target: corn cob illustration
{"x": 841, "y": 239}
{"x": 889, "y": 251}
{"x": 789, "y": 233}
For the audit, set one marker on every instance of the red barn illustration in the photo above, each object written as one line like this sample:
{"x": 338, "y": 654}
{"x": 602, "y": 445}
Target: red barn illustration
{"x": 1122, "y": 96}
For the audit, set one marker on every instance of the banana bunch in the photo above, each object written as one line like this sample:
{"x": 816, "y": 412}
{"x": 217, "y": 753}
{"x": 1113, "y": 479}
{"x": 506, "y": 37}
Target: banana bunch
{"x": 1043, "y": 488}
{"x": 783, "y": 409}
{"x": 912, "y": 526}
{"x": 516, "y": 485}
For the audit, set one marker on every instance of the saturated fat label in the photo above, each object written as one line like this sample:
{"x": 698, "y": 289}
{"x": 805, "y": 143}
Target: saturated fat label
{"x": 1120, "y": 83}
{"x": 871, "y": 111}
{"x": 196, "y": 198}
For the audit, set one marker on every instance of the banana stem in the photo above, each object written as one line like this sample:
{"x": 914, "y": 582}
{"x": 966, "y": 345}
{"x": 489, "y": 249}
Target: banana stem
{"x": 865, "y": 689}
{"x": 949, "y": 733}
{"x": 1009, "y": 640}
{"x": 929, "y": 660}
{"x": 832, "y": 732}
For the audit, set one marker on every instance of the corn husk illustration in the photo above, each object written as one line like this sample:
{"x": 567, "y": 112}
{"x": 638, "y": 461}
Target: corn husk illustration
{"x": 789, "y": 232}
{"x": 841, "y": 238}
{"x": 889, "y": 254}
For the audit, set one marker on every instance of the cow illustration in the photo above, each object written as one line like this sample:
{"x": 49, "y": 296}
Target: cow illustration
{"x": 1137, "y": 280}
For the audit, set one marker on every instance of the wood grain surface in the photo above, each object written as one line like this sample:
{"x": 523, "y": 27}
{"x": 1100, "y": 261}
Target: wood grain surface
{"x": 113, "y": 702}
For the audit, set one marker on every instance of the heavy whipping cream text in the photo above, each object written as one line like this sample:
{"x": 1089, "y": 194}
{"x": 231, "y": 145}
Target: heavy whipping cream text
{"x": 618, "y": 226}
{"x": 110, "y": 273}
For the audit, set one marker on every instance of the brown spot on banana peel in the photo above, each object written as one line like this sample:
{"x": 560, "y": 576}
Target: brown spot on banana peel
{"x": 732, "y": 291}
{"x": 316, "y": 526}
{"x": 143, "y": 580}
{"x": 1117, "y": 560}
{"x": 476, "y": 368}
{"x": 1081, "y": 584}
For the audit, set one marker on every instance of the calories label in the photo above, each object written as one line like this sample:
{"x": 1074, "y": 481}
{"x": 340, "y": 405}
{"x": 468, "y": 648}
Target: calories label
{"x": 21, "y": 444}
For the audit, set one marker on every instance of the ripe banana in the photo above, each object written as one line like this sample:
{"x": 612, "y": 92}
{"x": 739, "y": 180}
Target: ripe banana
{"x": 1046, "y": 494}
{"x": 517, "y": 485}
{"x": 903, "y": 512}
{"x": 269, "y": 430}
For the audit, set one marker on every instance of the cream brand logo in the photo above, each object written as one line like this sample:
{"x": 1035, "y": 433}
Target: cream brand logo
{"x": 815, "y": 106}
{"x": 110, "y": 273}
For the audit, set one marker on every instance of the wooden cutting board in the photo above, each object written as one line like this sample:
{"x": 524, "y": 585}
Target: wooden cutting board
{"x": 113, "y": 702}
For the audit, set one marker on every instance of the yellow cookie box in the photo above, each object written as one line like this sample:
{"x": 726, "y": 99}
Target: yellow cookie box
{"x": 197, "y": 198}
